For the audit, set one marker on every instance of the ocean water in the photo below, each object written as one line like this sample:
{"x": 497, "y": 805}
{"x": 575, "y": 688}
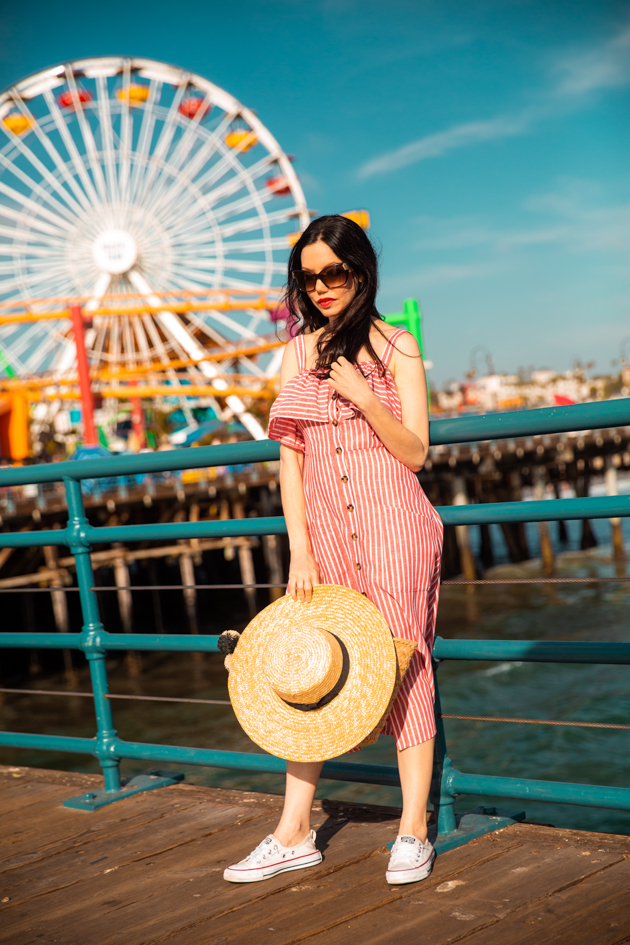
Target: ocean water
{"x": 528, "y": 690}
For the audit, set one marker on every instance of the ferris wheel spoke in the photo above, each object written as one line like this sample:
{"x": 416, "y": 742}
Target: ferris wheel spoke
{"x": 41, "y": 168}
{"x": 142, "y": 341}
{"x": 78, "y": 164}
{"x": 187, "y": 281}
{"x": 166, "y": 194}
{"x": 197, "y": 158}
{"x": 249, "y": 202}
{"x": 143, "y": 153}
{"x": 222, "y": 319}
{"x": 275, "y": 218}
{"x": 87, "y": 137}
{"x": 126, "y": 134}
{"x": 242, "y": 179}
{"x": 107, "y": 138}
{"x": 27, "y": 237}
{"x": 62, "y": 213}
{"x": 101, "y": 286}
{"x": 167, "y": 133}
{"x": 101, "y": 324}
{"x": 236, "y": 265}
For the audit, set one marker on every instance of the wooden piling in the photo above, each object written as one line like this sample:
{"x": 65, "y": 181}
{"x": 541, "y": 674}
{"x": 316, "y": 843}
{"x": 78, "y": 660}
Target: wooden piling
{"x": 546, "y": 547}
{"x": 246, "y": 562}
{"x": 273, "y": 559}
{"x": 612, "y": 488}
{"x": 125, "y": 605}
{"x": 467, "y": 559}
{"x": 60, "y": 608}
{"x": 582, "y": 488}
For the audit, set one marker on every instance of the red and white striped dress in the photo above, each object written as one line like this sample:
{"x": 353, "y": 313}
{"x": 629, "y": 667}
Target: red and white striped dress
{"x": 370, "y": 524}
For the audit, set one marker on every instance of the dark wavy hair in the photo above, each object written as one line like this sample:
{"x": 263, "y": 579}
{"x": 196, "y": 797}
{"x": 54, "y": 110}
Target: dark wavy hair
{"x": 351, "y": 330}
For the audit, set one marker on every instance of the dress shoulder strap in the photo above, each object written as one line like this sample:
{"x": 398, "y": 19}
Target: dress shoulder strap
{"x": 389, "y": 347}
{"x": 300, "y": 351}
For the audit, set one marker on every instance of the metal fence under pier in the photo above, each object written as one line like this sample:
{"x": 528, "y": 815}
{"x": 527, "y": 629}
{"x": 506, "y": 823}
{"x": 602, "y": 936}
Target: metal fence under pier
{"x": 94, "y": 641}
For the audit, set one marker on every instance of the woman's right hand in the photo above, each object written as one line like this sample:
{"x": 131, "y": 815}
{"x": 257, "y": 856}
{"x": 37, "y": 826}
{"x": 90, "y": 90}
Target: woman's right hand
{"x": 303, "y": 576}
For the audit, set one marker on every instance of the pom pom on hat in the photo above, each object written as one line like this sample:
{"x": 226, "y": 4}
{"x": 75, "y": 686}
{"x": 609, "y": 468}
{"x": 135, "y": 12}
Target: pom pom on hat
{"x": 226, "y": 644}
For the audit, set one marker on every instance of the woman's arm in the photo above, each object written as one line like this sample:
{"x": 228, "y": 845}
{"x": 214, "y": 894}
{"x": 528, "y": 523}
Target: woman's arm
{"x": 407, "y": 441}
{"x": 303, "y": 570}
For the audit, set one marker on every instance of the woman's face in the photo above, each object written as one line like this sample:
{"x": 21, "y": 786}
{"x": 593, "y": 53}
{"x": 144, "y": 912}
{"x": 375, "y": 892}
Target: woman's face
{"x": 330, "y": 302}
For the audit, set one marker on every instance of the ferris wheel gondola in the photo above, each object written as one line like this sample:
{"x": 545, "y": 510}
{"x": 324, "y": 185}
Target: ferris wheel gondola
{"x": 122, "y": 175}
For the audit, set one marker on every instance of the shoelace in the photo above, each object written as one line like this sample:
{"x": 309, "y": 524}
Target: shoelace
{"x": 259, "y": 854}
{"x": 400, "y": 851}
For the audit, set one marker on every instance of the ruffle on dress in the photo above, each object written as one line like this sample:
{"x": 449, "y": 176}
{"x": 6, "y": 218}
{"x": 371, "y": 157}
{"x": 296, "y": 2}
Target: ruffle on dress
{"x": 308, "y": 398}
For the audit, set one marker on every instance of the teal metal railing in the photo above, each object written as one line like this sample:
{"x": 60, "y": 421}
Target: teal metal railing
{"x": 94, "y": 641}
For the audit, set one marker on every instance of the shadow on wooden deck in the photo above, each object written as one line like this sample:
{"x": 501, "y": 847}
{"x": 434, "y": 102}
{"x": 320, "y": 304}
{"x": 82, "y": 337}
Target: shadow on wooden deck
{"x": 149, "y": 870}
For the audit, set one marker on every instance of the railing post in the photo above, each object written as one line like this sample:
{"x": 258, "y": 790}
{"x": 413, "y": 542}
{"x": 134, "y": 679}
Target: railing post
{"x": 91, "y": 637}
{"x": 442, "y": 798}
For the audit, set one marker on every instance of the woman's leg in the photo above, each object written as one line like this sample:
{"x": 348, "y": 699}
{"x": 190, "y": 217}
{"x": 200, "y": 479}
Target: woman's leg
{"x": 415, "y": 765}
{"x": 295, "y": 823}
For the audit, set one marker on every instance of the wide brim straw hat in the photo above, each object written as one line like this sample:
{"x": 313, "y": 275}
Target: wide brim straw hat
{"x": 311, "y": 681}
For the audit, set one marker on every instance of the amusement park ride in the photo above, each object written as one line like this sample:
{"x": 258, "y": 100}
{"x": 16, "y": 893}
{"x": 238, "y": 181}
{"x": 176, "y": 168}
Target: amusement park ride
{"x": 145, "y": 217}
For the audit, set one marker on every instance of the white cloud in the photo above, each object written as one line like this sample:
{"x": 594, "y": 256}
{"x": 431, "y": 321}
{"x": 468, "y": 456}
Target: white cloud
{"x": 459, "y": 136}
{"x": 602, "y": 67}
{"x": 443, "y": 274}
{"x": 573, "y": 222}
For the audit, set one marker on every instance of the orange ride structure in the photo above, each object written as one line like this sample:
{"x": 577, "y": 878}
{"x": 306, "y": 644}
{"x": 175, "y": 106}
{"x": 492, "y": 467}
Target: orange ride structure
{"x": 109, "y": 366}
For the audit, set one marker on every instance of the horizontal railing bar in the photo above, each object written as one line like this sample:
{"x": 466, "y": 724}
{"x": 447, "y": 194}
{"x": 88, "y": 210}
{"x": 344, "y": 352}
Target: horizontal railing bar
{"x": 584, "y": 795}
{"x": 526, "y": 651}
{"x": 42, "y": 641}
{"x": 76, "y": 746}
{"x": 169, "y": 642}
{"x": 226, "y": 454}
{"x": 547, "y": 510}
{"x": 611, "y": 413}
{"x": 532, "y": 651}
{"x": 553, "y": 792}
{"x": 550, "y": 510}
{"x": 250, "y": 761}
{"x": 519, "y": 423}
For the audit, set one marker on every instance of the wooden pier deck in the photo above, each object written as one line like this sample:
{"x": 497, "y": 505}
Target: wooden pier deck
{"x": 148, "y": 871}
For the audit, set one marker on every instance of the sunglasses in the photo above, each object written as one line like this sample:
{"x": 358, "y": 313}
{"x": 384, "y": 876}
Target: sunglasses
{"x": 333, "y": 277}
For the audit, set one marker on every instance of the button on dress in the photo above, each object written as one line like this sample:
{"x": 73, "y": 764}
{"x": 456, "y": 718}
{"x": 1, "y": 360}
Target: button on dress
{"x": 370, "y": 524}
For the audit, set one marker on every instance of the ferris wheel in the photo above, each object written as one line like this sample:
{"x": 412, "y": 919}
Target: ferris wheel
{"x": 122, "y": 175}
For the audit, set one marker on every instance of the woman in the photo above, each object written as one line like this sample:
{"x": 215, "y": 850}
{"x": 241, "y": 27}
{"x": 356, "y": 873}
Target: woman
{"x": 352, "y": 421}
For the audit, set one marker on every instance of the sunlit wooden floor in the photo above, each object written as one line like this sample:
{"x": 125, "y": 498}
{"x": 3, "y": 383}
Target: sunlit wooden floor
{"x": 149, "y": 870}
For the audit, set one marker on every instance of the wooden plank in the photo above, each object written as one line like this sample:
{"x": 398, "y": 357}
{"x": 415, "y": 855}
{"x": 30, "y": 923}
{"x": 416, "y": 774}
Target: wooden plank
{"x": 312, "y": 903}
{"x": 77, "y": 864}
{"x": 595, "y": 911}
{"x": 173, "y": 889}
{"x": 443, "y": 912}
{"x": 57, "y": 828}
{"x": 16, "y": 797}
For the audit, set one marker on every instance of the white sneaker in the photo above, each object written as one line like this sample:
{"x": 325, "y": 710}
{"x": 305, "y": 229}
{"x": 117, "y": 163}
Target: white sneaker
{"x": 410, "y": 861}
{"x": 270, "y": 858}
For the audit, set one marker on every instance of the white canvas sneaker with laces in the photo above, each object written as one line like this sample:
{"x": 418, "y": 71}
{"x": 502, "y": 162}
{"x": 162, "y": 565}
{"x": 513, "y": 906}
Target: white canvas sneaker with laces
{"x": 410, "y": 861}
{"x": 270, "y": 858}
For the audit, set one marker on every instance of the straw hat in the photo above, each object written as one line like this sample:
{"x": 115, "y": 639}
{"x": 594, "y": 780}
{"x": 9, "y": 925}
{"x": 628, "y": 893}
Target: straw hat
{"x": 309, "y": 682}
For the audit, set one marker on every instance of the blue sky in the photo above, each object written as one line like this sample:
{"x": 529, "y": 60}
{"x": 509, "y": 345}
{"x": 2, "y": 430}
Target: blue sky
{"x": 489, "y": 141}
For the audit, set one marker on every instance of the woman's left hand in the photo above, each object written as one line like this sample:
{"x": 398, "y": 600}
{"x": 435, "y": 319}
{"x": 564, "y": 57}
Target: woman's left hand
{"x": 350, "y": 383}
